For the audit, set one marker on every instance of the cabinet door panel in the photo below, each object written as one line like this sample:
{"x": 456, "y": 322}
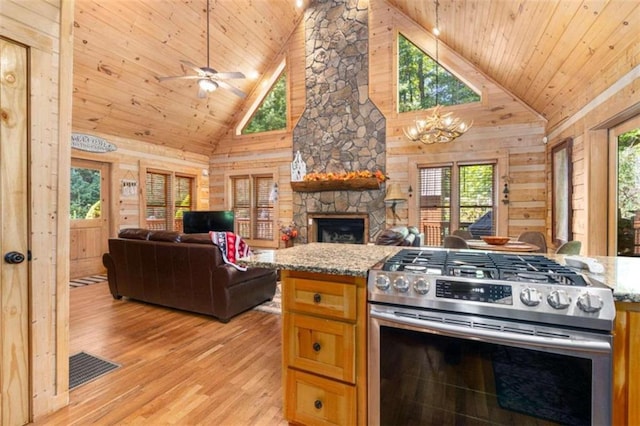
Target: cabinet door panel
{"x": 319, "y": 401}
{"x": 320, "y": 345}
{"x": 334, "y": 300}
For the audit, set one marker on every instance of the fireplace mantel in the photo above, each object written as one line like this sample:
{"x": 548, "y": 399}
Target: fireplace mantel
{"x": 356, "y": 184}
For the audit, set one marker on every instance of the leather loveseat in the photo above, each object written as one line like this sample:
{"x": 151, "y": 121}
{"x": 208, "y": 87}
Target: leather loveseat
{"x": 183, "y": 271}
{"x": 400, "y": 236}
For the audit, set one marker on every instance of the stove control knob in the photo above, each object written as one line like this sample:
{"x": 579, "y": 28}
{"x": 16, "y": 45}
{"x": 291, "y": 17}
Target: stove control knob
{"x": 559, "y": 299}
{"x": 590, "y": 302}
{"x": 530, "y": 296}
{"x": 382, "y": 282}
{"x": 401, "y": 284}
{"x": 421, "y": 286}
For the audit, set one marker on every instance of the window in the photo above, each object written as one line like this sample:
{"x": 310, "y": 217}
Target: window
{"x": 253, "y": 209}
{"x": 168, "y": 196}
{"x": 85, "y": 193}
{"x": 628, "y": 194}
{"x": 423, "y": 83}
{"x": 456, "y": 197}
{"x": 272, "y": 112}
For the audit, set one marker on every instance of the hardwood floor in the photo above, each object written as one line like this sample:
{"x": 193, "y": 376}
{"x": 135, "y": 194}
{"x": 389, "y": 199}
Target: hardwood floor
{"x": 177, "y": 367}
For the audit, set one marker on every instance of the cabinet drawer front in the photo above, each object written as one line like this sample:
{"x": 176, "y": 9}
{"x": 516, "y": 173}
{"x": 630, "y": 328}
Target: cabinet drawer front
{"x": 321, "y": 346}
{"x": 316, "y": 400}
{"x": 335, "y": 300}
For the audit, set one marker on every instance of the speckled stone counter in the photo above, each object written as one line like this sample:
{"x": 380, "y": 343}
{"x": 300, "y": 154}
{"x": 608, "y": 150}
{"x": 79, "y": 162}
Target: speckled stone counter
{"x": 326, "y": 258}
{"x": 622, "y": 274}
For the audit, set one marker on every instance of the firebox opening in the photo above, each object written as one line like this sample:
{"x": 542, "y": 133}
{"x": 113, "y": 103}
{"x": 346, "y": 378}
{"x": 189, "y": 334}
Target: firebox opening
{"x": 342, "y": 231}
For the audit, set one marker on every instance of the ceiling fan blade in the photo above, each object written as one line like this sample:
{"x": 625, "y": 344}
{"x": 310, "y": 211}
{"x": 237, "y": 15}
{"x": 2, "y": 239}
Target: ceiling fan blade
{"x": 194, "y": 67}
{"x": 235, "y": 90}
{"x": 178, "y": 77}
{"x": 229, "y": 75}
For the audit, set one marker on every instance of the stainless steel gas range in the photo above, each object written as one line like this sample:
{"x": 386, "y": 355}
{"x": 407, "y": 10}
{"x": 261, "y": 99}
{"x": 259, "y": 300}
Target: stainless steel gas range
{"x": 487, "y": 337}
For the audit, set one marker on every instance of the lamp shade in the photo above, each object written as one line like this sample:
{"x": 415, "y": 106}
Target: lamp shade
{"x": 394, "y": 194}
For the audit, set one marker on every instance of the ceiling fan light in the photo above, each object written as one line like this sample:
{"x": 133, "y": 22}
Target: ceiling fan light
{"x": 207, "y": 85}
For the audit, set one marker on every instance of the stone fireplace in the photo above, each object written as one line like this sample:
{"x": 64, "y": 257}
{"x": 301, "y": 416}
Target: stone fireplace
{"x": 340, "y": 130}
{"x": 339, "y": 228}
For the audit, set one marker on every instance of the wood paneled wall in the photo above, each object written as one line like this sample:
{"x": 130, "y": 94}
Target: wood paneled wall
{"x": 130, "y": 161}
{"x": 45, "y": 27}
{"x": 504, "y": 128}
{"x": 593, "y": 219}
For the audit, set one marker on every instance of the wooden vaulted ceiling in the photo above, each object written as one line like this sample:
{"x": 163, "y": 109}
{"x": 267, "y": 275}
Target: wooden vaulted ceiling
{"x": 548, "y": 53}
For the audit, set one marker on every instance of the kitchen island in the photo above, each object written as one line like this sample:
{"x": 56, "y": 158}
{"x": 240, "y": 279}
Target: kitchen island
{"x": 324, "y": 338}
{"x": 308, "y": 269}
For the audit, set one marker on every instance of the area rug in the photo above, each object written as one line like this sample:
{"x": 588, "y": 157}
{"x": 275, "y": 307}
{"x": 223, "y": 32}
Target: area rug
{"x": 85, "y": 281}
{"x": 84, "y": 368}
{"x": 271, "y": 306}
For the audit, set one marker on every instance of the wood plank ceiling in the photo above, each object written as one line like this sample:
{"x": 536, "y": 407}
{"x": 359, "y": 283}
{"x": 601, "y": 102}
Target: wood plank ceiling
{"x": 543, "y": 51}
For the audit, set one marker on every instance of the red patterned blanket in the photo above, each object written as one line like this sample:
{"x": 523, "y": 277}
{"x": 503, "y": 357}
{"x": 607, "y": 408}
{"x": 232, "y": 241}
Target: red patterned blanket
{"x": 232, "y": 247}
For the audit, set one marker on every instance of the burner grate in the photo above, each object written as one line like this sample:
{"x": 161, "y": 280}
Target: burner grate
{"x": 483, "y": 265}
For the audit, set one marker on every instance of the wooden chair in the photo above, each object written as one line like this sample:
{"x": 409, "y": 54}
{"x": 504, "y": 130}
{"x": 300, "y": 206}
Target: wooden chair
{"x": 536, "y": 238}
{"x": 453, "y": 241}
{"x": 464, "y": 234}
{"x": 570, "y": 247}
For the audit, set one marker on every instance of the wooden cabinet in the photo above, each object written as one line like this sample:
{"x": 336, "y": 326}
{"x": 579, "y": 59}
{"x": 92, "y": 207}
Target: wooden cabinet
{"x": 324, "y": 348}
{"x": 626, "y": 365}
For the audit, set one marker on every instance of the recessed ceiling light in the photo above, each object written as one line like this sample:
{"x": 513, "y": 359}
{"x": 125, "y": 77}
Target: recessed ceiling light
{"x": 253, "y": 74}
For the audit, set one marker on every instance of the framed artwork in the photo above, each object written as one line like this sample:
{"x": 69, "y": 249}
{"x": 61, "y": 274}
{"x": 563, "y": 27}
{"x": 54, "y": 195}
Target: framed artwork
{"x": 562, "y": 185}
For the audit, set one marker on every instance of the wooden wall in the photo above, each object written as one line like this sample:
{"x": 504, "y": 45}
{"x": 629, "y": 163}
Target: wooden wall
{"x": 46, "y": 28}
{"x": 504, "y": 129}
{"x": 593, "y": 194}
{"x": 130, "y": 162}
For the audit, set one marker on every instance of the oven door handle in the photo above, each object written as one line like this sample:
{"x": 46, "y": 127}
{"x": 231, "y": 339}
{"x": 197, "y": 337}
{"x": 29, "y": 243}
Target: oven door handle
{"x": 503, "y": 337}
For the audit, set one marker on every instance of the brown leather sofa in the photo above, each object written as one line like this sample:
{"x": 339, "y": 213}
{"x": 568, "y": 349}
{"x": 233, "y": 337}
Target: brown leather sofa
{"x": 183, "y": 271}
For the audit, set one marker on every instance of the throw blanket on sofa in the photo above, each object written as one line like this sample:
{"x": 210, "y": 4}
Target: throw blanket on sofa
{"x": 232, "y": 247}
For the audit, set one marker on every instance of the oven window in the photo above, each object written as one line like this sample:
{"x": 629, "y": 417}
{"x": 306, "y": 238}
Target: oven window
{"x": 427, "y": 379}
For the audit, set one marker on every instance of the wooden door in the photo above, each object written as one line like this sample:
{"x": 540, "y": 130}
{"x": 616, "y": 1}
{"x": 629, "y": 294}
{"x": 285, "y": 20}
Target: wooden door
{"x": 89, "y": 217}
{"x": 14, "y": 236}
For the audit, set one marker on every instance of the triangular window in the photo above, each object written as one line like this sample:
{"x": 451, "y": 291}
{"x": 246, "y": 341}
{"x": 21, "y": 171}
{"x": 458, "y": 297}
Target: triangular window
{"x": 423, "y": 83}
{"x": 272, "y": 112}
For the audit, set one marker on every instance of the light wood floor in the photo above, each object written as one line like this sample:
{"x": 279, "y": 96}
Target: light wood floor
{"x": 177, "y": 367}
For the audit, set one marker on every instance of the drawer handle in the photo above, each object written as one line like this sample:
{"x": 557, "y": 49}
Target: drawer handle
{"x": 318, "y": 404}
{"x": 317, "y": 298}
{"x": 317, "y": 347}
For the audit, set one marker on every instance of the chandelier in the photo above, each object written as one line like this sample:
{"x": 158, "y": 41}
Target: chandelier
{"x": 438, "y": 128}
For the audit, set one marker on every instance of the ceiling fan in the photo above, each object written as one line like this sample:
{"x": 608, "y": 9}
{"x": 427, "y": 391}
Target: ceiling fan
{"x": 208, "y": 78}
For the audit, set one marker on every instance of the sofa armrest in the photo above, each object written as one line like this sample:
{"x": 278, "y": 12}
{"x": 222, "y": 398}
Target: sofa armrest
{"x": 108, "y": 263}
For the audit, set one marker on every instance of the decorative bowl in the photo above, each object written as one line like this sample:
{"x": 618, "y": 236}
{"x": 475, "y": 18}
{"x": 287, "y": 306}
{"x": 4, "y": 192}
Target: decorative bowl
{"x": 496, "y": 241}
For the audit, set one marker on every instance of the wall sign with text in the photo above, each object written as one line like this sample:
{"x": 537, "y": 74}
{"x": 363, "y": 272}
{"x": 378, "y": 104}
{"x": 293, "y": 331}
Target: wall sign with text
{"x": 91, "y": 143}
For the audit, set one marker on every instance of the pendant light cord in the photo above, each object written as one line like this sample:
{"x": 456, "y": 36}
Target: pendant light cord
{"x": 437, "y": 58}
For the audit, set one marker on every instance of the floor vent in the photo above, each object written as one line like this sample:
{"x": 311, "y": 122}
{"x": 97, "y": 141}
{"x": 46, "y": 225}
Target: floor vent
{"x": 84, "y": 368}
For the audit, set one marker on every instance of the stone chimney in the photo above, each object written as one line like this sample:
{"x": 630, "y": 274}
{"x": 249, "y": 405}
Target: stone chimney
{"x": 340, "y": 130}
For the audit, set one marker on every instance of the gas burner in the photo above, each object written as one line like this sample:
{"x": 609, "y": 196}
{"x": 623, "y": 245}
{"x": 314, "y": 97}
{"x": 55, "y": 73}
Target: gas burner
{"x": 415, "y": 268}
{"x": 531, "y": 277}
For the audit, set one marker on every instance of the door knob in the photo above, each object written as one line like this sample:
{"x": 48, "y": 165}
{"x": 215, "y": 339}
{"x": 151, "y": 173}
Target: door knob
{"x": 14, "y": 257}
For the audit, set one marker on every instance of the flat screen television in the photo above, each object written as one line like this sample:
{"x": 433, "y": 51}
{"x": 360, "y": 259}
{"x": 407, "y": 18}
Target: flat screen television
{"x": 195, "y": 222}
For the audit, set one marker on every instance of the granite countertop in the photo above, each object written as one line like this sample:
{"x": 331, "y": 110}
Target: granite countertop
{"x": 621, "y": 273}
{"x": 325, "y": 258}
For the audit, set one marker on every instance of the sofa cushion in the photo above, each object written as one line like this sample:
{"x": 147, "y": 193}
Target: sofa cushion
{"x": 169, "y": 236}
{"x": 201, "y": 238}
{"x": 134, "y": 234}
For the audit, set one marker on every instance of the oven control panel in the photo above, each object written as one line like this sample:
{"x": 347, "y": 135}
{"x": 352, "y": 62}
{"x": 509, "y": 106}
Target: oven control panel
{"x": 474, "y": 291}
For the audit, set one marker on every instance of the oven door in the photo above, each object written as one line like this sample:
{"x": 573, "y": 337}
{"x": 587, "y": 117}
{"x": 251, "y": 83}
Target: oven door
{"x": 439, "y": 368}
